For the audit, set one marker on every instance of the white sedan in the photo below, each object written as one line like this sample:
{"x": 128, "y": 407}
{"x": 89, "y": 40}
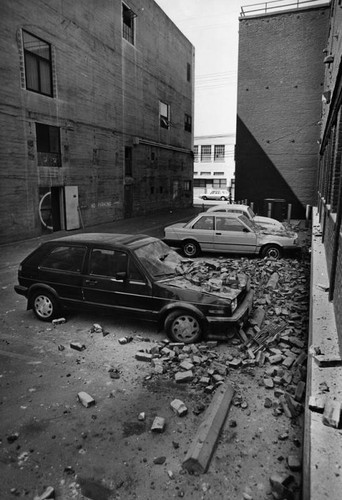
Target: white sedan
{"x": 228, "y": 233}
{"x": 235, "y": 208}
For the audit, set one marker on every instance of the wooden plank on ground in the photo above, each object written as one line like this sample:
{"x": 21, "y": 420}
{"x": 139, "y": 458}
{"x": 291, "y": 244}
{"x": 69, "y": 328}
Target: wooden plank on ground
{"x": 200, "y": 452}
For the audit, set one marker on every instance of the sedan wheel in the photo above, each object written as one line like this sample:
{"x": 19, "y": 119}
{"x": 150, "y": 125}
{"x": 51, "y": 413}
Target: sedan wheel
{"x": 182, "y": 326}
{"x": 271, "y": 251}
{"x": 191, "y": 249}
{"x": 45, "y": 306}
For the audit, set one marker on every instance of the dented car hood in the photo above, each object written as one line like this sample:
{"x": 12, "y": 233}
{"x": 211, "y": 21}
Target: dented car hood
{"x": 203, "y": 279}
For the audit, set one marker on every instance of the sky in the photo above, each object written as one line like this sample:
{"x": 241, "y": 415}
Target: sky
{"x": 212, "y": 27}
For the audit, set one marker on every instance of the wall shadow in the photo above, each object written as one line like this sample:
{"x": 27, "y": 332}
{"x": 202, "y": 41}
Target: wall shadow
{"x": 257, "y": 177}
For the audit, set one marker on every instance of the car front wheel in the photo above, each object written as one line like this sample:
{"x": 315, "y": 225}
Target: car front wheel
{"x": 204, "y": 198}
{"x": 183, "y": 326}
{"x": 191, "y": 248}
{"x": 223, "y": 198}
{"x": 45, "y": 306}
{"x": 272, "y": 251}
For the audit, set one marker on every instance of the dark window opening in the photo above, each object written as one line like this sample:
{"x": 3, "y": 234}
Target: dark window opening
{"x": 187, "y": 123}
{"x": 128, "y": 162}
{"x": 48, "y": 145}
{"x": 164, "y": 115}
{"x": 38, "y": 66}
{"x": 128, "y": 21}
{"x": 188, "y": 72}
{"x": 195, "y": 153}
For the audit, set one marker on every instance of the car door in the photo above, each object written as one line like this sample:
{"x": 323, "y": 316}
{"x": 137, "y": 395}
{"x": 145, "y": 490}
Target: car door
{"x": 61, "y": 270}
{"x": 202, "y": 230}
{"x": 114, "y": 281}
{"x": 232, "y": 236}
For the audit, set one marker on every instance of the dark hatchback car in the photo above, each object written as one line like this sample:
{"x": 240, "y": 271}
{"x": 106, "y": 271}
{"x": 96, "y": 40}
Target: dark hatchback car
{"x": 131, "y": 274}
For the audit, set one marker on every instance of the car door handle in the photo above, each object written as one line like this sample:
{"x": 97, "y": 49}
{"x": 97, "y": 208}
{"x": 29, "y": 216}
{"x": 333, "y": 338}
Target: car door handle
{"x": 91, "y": 282}
{"x": 219, "y": 234}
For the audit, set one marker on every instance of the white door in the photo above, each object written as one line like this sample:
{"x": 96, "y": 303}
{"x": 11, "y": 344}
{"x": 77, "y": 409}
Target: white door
{"x": 72, "y": 217}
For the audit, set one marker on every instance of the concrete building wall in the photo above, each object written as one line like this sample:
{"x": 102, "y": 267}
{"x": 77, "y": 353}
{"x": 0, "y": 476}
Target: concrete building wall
{"x": 105, "y": 102}
{"x": 280, "y": 84}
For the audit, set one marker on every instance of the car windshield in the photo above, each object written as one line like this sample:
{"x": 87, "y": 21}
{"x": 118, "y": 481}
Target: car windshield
{"x": 251, "y": 213}
{"x": 251, "y": 224}
{"x": 158, "y": 259}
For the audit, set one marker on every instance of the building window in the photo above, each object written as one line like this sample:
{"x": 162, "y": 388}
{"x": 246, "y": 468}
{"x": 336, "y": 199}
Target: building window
{"x": 205, "y": 153}
{"x": 48, "y": 146}
{"x": 128, "y": 161}
{"x": 218, "y": 173}
{"x": 195, "y": 153}
{"x": 128, "y": 24}
{"x": 187, "y": 123}
{"x": 220, "y": 183}
{"x": 164, "y": 115}
{"x": 38, "y": 67}
{"x": 188, "y": 72}
{"x": 187, "y": 185}
{"x": 205, "y": 173}
{"x": 219, "y": 153}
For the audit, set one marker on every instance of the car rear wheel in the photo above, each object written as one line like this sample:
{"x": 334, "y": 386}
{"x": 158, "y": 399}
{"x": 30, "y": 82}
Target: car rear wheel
{"x": 271, "y": 251}
{"x": 183, "y": 326}
{"x": 191, "y": 248}
{"x": 223, "y": 198}
{"x": 204, "y": 198}
{"x": 45, "y": 306}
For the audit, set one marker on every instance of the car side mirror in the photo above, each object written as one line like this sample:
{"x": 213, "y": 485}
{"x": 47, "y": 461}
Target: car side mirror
{"x": 121, "y": 276}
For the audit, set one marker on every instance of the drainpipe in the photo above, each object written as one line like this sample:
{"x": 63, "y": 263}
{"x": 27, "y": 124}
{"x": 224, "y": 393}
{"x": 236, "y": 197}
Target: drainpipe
{"x": 335, "y": 244}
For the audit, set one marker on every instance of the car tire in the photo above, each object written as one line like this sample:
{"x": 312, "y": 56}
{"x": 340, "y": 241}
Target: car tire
{"x": 45, "y": 305}
{"x": 271, "y": 251}
{"x": 191, "y": 248}
{"x": 183, "y": 326}
{"x": 204, "y": 198}
{"x": 223, "y": 198}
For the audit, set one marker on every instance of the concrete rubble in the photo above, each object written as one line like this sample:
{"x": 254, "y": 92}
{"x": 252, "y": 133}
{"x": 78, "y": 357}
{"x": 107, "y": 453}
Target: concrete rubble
{"x": 274, "y": 339}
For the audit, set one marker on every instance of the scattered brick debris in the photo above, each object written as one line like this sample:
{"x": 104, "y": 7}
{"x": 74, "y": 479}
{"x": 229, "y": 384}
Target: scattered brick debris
{"x": 158, "y": 424}
{"x": 85, "y": 399}
{"x": 48, "y": 493}
{"x": 58, "y": 321}
{"x": 77, "y": 346}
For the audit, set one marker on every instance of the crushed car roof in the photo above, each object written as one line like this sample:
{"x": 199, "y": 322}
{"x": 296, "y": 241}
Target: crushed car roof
{"x": 106, "y": 238}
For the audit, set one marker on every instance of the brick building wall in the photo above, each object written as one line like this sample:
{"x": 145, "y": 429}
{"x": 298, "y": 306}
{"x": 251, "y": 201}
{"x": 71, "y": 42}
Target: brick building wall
{"x": 280, "y": 85}
{"x": 330, "y": 160}
{"x": 105, "y": 104}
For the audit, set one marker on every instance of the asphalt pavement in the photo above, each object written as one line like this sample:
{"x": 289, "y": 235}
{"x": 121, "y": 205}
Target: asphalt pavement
{"x": 152, "y": 224}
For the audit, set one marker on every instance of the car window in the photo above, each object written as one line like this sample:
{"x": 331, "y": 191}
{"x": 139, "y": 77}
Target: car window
{"x": 204, "y": 223}
{"x": 134, "y": 273}
{"x": 105, "y": 262}
{"x": 65, "y": 258}
{"x": 225, "y": 224}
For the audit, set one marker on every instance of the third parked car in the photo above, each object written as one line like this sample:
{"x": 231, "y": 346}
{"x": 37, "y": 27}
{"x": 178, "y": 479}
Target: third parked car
{"x": 235, "y": 208}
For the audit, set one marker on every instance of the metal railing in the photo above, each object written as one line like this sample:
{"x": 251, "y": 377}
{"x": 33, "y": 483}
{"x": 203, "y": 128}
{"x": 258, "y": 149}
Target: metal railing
{"x": 278, "y": 6}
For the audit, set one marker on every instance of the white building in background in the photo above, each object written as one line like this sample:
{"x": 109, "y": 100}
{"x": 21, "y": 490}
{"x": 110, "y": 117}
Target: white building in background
{"x": 214, "y": 163}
